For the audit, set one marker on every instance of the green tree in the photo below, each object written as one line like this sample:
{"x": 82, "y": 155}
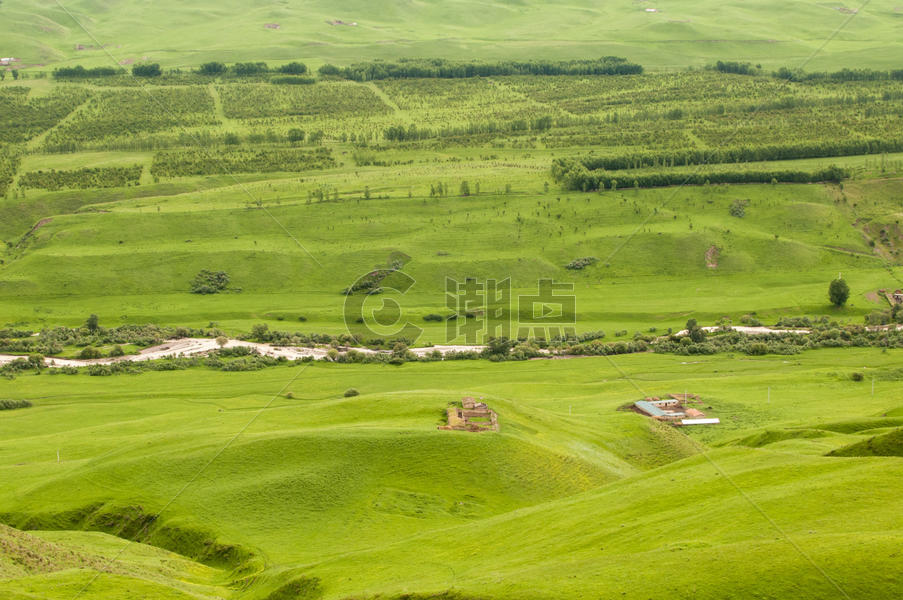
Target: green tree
{"x": 293, "y": 68}
{"x": 295, "y": 135}
{"x": 465, "y": 188}
{"x": 212, "y": 68}
{"x": 92, "y": 324}
{"x": 695, "y": 332}
{"x": 838, "y": 292}
{"x": 151, "y": 70}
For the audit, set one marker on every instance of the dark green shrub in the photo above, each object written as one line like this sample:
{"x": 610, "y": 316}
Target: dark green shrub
{"x": 90, "y": 352}
{"x": 293, "y": 68}
{"x": 212, "y": 68}
{"x": 581, "y": 263}
{"x": 7, "y": 404}
{"x": 151, "y": 70}
{"x": 209, "y": 282}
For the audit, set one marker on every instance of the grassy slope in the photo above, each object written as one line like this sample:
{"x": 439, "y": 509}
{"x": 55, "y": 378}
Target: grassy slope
{"x": 134, "y": 264}
{"x": 680, "y": 34}
{"x": 365, "y": 494}
{"x": 42, "y": 564}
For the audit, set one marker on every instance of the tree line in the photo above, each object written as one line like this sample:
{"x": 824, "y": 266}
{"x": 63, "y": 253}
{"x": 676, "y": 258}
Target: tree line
{"x": 846, "y": 74}
{"x": 399, "y": 133}
{"x": 182, "y": 163}
{"x": 842, "y": 75}
{"x": 241, "y": 69}
{"x": 244, "y": 69}
{"x": 445, "y": 69}
{"x": 97, "y": 177}
{"x": 574, "y": 176}
{"x": 741, "y": 154}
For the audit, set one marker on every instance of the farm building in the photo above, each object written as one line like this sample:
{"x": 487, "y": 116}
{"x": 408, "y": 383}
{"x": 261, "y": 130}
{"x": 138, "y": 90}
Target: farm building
{"x": 673, "y": 410}
{"x": 659, "y": 409}
{"x": 471, "y": 416}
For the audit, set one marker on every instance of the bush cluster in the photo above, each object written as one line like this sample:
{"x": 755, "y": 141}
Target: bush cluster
{"x": 581, "y": 263}
{"x": 8, "y": 404}
{"x": 445, "y": 69}
{"x": 209, "y": 282}
{"x": 189, "y": 162}
{"x": 97, "y": 177}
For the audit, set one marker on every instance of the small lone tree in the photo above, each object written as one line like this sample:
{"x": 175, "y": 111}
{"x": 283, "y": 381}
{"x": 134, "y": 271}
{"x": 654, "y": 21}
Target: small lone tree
{"x": 838, "y": 292}
{"x": 695, "y": 332}
{"x": 295, "y": 135}
{"x": 93, "y": 323}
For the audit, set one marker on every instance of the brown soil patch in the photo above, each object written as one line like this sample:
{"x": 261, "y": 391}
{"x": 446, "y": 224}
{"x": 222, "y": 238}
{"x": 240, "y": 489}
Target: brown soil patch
{"x": 711, "y": 257}
{"x": 34, "y": 229}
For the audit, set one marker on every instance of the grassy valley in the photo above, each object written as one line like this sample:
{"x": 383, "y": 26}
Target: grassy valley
{"x": 271, "y": 275}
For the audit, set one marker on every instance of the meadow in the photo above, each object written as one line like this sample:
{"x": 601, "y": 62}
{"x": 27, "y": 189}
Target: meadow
{"x": 324, "y": 496}
{"x": 664, "y": 34}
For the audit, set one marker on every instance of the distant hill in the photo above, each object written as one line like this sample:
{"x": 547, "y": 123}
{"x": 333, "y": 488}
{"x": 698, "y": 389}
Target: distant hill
{"x": 664, "y": 34}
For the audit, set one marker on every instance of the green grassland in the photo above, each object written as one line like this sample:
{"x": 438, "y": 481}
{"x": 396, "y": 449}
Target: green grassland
{"x": 269, "y": 485}
{"x": 134, "y": 264}
{"x": 295, "y": 223}
{"x": 679, "y": 34}
{"x": 353, "y": 497}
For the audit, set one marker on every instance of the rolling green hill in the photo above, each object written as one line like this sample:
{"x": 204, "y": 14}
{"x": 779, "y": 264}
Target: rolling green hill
{"x": 666, "y": 34}
{"x": 352, "y": 497}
